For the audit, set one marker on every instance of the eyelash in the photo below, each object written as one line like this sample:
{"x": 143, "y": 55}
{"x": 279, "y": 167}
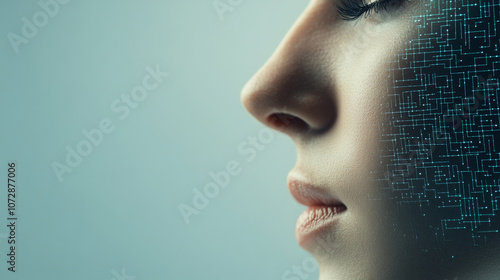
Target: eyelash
{"x": 353, "y": 9}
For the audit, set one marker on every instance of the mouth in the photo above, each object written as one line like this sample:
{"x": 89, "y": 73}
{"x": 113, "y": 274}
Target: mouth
{"x": 323, "y": 212}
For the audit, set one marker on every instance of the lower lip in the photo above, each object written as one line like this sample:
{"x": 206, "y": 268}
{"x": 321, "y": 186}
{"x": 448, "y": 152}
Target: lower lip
{"x": 315, "y": 220}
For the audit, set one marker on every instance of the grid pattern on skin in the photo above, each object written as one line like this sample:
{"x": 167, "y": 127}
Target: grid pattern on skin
{"x": 444, "y": 120}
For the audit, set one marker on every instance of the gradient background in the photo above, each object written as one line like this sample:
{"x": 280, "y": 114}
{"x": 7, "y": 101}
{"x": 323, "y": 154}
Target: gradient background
{"x": 119, "y": 208}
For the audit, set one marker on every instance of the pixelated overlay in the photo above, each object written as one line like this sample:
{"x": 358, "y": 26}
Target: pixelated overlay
{"x": 443, "y": 129}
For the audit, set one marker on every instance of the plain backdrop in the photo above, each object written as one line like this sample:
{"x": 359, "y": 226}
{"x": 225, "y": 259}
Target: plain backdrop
{"x": 116, "y": 214}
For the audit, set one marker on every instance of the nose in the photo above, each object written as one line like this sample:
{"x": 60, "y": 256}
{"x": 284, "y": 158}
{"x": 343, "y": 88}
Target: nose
{"x": 293, "y": 92}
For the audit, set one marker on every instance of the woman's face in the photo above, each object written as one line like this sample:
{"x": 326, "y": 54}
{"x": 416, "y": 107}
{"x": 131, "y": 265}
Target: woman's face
{"x": 326, "y": 86}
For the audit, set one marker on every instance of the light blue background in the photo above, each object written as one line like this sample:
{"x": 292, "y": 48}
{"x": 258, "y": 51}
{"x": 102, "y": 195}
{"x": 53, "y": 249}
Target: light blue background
{"x": 119, "y": 208}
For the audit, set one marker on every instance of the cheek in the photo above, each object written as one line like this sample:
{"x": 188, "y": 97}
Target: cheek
{"x": 366, "y": 98}
{"x": 365, "y": 87}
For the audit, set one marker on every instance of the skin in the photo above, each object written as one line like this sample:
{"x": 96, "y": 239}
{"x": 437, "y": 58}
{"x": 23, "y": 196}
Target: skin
{"x": 325, "y": 86}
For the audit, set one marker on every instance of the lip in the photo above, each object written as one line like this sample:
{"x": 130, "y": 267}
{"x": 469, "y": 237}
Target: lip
{"x": 316, "y": 221}
{"x": 322, "y": 215}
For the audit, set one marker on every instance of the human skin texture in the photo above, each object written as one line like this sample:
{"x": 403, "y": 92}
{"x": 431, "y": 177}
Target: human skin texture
{"x": 326, "y": 86}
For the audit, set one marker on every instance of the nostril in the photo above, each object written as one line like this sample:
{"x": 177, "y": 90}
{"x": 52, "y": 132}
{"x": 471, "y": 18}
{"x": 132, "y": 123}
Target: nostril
{"x": 283, "y": 122}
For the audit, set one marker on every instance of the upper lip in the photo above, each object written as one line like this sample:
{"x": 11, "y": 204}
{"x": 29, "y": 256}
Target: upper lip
{"x": 311, "y": 195}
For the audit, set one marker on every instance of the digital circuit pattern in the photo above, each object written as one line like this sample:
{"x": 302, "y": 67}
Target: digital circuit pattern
{"x": 443, "y": 125}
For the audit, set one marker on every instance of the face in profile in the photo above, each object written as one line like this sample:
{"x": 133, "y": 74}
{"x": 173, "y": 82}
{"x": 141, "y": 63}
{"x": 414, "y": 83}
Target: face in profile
{"x": 393, "y": 108}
